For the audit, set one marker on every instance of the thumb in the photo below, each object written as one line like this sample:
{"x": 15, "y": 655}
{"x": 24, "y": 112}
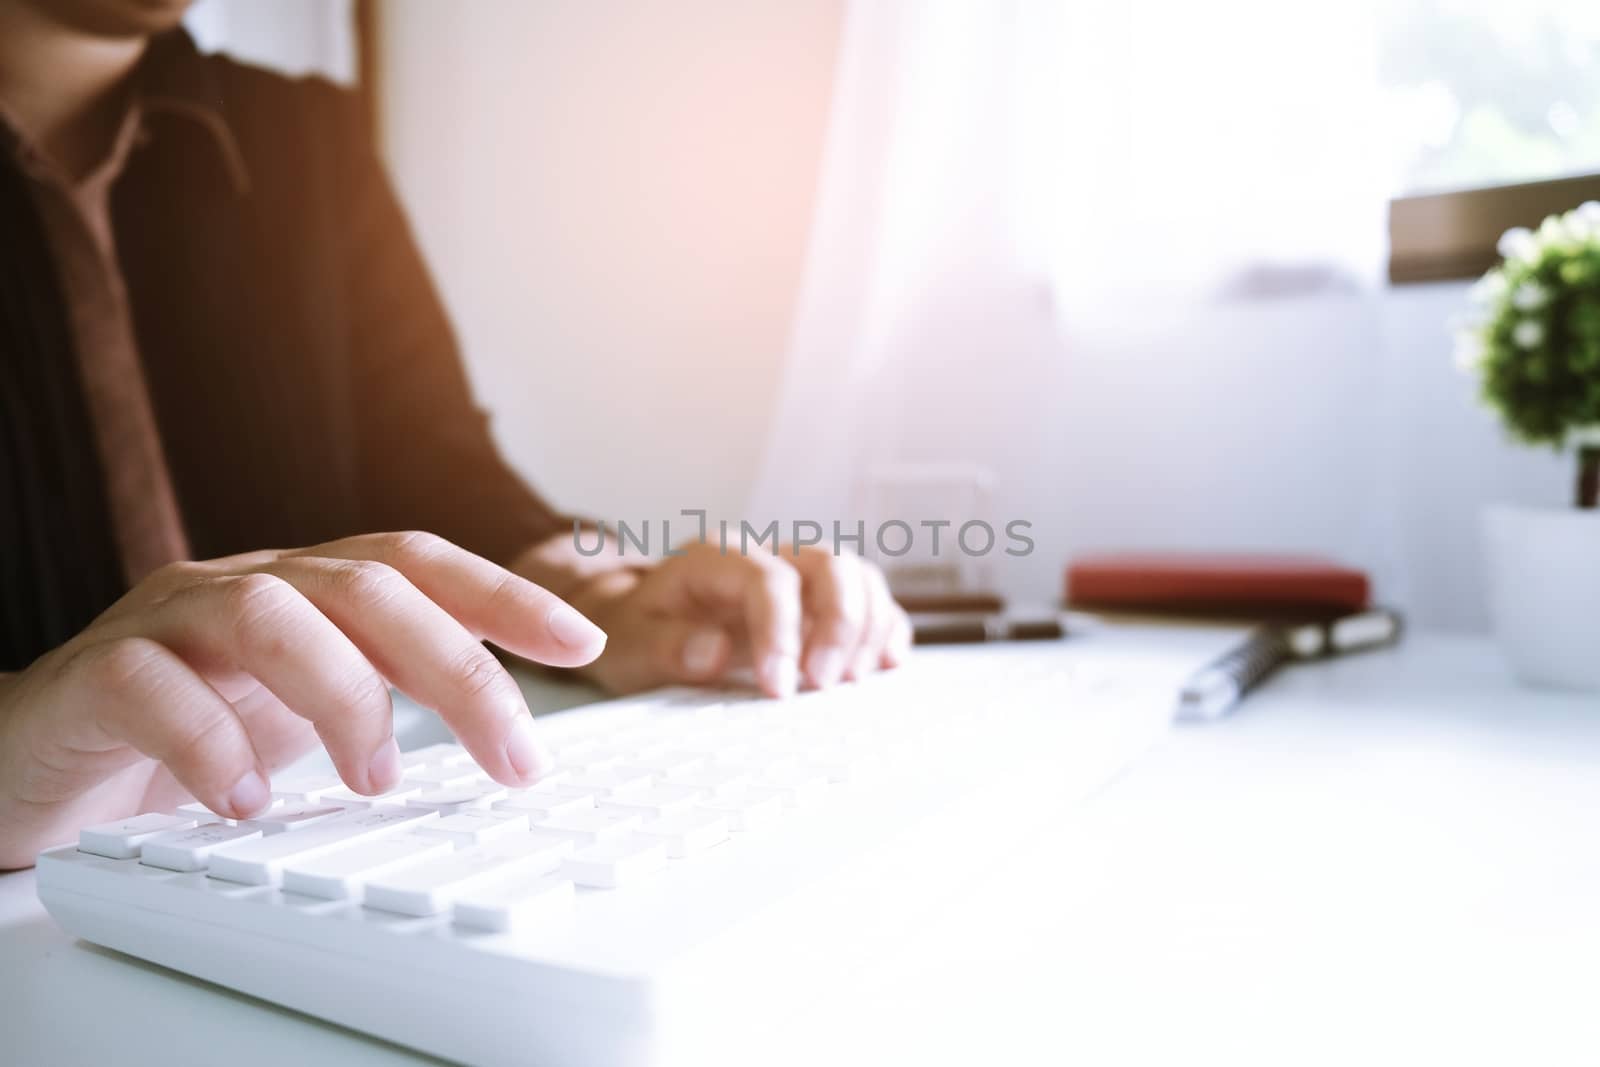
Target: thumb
{"x": 656, "y": 651}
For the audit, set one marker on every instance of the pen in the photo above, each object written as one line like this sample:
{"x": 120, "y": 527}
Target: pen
{"x": 1213, "y": 690}
{"x": 948, "y": 630}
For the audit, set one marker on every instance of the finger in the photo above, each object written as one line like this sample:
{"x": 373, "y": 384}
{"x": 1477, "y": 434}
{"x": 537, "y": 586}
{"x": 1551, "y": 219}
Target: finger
{"x": 853, "y": 669}
{"x": 429, "y": 655}
{"x": 146, "y": 697}
{"x": 881, "y": 611}
{"x": 488, "y": 600}
{"x": 900, "y": 639}
{"x": 761, "y": 592}
{"x": 772, "y": 626}
{"x": 279, "y": 735}
{"x": 834, "y": 597}
{"x": 263, "y": 624}
{"x": 886, "y": 614}
{"x": 694, "y": 652}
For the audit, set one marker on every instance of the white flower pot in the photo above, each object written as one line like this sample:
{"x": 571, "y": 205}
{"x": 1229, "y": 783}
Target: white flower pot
{"x": 1544, "y": 592}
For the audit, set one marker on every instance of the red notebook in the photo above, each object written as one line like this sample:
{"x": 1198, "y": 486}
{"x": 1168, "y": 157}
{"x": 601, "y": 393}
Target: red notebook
{"x": 1216, "y": 584}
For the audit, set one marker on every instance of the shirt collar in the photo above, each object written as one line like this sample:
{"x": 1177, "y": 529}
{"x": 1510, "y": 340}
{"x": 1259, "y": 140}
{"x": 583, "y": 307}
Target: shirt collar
{"x": 176, "y": 80}
{"x": 172, "y": 80}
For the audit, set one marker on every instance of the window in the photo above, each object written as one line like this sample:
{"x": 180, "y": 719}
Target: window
{"x": 1494, "y": 111}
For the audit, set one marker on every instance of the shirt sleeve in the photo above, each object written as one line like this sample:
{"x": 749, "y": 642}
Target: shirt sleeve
{"x": 427, "y": 459}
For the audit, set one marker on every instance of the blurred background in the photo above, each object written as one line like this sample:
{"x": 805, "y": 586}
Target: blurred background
{"x": 1175, "y": 276}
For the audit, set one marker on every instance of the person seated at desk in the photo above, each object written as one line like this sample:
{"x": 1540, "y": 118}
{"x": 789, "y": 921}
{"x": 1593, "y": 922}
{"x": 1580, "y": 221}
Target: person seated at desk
{"x": 217, "y": 335}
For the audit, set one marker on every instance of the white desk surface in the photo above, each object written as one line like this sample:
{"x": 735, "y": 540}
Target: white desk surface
{"x": 1390, "y": 858}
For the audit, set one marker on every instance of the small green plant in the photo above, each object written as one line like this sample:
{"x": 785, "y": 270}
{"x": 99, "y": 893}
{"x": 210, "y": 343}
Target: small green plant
{"x": 1535, "y": 343}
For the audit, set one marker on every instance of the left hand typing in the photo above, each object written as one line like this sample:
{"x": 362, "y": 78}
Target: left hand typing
{"x": 796, "y": 619}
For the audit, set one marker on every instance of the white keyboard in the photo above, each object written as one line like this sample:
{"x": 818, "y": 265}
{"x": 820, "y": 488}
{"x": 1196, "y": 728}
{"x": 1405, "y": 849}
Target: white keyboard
{"x": 698, "y": 877}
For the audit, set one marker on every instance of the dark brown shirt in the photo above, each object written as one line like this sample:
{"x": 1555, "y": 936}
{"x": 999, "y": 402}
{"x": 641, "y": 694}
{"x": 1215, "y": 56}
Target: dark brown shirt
{"x": 300, "y": 374}
{"x": 76, "y": 216}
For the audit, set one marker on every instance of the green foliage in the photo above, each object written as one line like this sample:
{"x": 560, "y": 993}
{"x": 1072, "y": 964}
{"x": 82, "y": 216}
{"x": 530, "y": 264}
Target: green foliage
{"x": 1536, "y": 345}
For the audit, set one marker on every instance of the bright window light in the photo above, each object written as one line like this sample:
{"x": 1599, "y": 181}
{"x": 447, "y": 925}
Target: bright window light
{"x": 1483, "y": 92}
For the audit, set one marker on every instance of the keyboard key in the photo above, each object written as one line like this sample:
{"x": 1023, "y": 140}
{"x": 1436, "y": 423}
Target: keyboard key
{"x": 574, "y": 752}
{"x": 431, "y": 887}
{"x": 690, "y": 833}
{"x": 515, "y": 904}
{"x": 202, "y": 814}
{"x": 444, "y": 777}
{"x": 612, "y": 783}
{"x": 283, "y": 818}
{"x": 680, "y": 700}
{"x": 537, "y": 804}
{"x": 616, "y": 863}
{"x": 749, "y": 810}
{"x": 442, "y": 755}
{"x": 720, "y": 748}
{"x": 548, "y": 783}
{"x": 590, "y": 827}
{"x": 338, "y": 875}
{"x": 588, "y": 758}
{"x": 674, "y": 761}
{"x": 475, "y": 825}
{"x": 551, "y": 779}
{"x": 777, "y": 740}
{"x": 759, "y": 760}
{"x": 306, "y": 788}
{"x": 799, "y": 786}
{"x": 261, "y": 862}
{"x": 190, "y": 850}
{"x": 593, "y": 794}
{"x": 123, "y": 840}
{"x": 349, "y": 798}
{"x": 654, "y": 802}
{"x": 459, "y": 798}
{"x": 841, "y": 765}
{"x": 712, "y": 782}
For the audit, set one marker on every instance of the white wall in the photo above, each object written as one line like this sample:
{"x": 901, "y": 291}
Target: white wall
{"x": 1333, "y": 424}
{"x": 294, "y": 36}
{"x": 614, "y": 197}
{"x": 1447, "y": 459}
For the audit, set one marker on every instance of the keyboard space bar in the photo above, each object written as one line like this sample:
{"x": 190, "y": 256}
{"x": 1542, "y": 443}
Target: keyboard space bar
{"x": 261, "y": 862}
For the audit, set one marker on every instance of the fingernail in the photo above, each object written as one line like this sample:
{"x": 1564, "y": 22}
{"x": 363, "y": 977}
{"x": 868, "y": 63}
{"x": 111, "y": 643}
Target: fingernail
{"x": 249, "y": 795}
{"x": 783, "y": 674}
{"x": 383, "y": 773}
{"x": 524, "y": 752}
{"x": 573, "y": 630}
{"x": 702, "y": 651}
{"x": 826, "y": 666}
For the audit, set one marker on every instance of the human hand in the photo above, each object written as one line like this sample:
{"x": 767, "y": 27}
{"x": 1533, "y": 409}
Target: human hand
{"x": 809, "y": 618}
{"x": 207, "y": 676}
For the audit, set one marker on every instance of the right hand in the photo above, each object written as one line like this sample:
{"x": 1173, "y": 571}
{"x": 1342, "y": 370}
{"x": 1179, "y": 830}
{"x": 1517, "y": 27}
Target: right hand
{"x": 208, "y": 676}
